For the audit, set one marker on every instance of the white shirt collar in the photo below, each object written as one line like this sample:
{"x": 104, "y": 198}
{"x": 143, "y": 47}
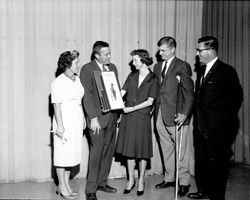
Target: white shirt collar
{"x": 169, "y": 62}
{"x": 209, "y": 65}
{"x": 101, "y": 66}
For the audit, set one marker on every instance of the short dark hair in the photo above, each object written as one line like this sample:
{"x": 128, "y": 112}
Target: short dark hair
{"x": 144, "y": 56}
{"x": 65, "y": 61}
{"x": 169, "y": 41}
{"x": 98, "y": 45}
{"x": 210, "y": 41}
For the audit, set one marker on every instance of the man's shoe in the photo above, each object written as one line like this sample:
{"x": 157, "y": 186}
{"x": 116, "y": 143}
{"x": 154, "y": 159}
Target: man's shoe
{"x": 107, "y": 188}
{"x": 183, "y": 190}
{"x": 165, "y": 184}
{"x": 197, "y": 195}
{"x": 91, "y": 196}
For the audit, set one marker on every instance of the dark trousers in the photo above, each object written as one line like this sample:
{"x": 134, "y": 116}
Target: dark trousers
{"x": 100, "y": 156}
{"x": 211, "y": 165}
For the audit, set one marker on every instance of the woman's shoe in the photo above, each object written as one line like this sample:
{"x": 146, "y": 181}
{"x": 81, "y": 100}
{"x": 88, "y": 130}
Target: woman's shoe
{"x": 69, "y": 196}
{"x": 126, "y": 191}
{"x": 139, "y": 193}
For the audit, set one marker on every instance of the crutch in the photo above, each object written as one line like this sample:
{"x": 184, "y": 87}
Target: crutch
{"x": 177, "y": 146}
{"x": 178, "y": 155}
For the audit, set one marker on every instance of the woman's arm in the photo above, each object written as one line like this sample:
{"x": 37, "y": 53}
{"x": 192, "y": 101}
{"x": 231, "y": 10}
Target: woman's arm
{"x": 58, "y": 116}
{"x": 142, "y": 105}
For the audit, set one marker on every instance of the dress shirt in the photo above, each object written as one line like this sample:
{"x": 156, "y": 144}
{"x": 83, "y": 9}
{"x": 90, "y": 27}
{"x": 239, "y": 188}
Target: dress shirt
{"x": 209, "y": 66}
{"x": 168, "y": 64}
{"x": 102, "y": 67}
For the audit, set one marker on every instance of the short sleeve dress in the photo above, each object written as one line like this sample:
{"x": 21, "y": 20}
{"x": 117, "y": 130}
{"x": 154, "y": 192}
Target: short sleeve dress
{"x": 69, "y": 94}
{"x": 135, "y": 133}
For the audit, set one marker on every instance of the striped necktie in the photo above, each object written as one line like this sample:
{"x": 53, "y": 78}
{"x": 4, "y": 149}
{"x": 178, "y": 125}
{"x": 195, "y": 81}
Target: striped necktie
{"x": 163, "y": 71}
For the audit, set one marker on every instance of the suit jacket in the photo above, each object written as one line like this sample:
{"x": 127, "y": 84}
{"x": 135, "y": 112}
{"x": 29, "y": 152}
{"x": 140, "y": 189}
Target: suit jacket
{"x": 218, "y": 100}
{"x": 91, "y": 101}
{"x": 167, "y": 97}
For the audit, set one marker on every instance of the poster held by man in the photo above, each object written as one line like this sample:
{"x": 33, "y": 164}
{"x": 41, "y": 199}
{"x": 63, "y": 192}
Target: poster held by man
{"x": 108, "y": 90}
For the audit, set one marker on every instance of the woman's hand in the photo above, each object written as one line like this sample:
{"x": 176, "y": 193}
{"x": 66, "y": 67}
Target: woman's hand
{"x": 60, "y": 131}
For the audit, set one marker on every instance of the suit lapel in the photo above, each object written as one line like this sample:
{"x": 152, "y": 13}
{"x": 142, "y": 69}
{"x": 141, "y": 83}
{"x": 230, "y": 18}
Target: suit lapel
{"x": 95, "y": 66}
{"x": 170, "y": 68}
{"x": 211, "y": 72}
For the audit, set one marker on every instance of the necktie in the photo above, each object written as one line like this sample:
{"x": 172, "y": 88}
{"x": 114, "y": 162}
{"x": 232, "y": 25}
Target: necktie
{"x": 203, "y": 73}
{"x": 163, "y": 71}
{"x": 202, "y": 77}
{"x": 104, "y": 68}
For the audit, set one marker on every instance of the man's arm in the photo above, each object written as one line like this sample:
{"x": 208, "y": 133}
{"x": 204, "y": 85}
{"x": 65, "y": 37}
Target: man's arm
{"x": 89, "y": 98}
{"x": 187, "y": 90}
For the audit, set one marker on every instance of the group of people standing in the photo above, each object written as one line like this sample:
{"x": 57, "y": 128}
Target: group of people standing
{"x": 168, "y": 93}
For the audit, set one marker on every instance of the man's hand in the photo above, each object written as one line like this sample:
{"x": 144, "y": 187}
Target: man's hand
{"x": 180, "y": 119}
{"x": 84, "y": 123}
{"x": 95, "y": 125}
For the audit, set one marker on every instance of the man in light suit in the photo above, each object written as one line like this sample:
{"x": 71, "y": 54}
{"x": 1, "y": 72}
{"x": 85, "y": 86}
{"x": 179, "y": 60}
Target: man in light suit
{"x": 218, "y": 99}
{"x": 102, "y": 126}
{"x": 169, "y": 111}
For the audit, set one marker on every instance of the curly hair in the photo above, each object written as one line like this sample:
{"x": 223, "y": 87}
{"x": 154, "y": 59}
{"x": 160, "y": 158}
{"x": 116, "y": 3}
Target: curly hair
{"x": 65, "y": 61}
{"x": 144, "y": 56}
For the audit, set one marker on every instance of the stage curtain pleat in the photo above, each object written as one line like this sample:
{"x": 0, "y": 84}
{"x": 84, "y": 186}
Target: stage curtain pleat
{"x": 229, "y": 21}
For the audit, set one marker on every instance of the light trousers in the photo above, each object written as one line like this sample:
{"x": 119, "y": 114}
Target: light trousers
{"x": 167, "y": 142}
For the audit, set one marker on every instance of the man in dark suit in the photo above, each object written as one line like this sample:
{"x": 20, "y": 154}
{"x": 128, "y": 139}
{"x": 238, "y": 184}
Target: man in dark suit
{"x": 218, "y": 99}
{"x": 102, "y": 126}
{"x": 170, "y": 111}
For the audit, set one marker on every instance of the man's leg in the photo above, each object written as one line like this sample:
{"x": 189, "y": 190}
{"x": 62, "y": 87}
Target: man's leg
{"x": 108, "y": 151}
{"x": 95, "y": 157}
{"x": 201, "y": 164}
{"x": 184, "y": 173}
{"x": 168, "y": 149}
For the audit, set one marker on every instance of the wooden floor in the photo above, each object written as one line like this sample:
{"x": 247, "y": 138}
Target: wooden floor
{"x": 238, "y": 188}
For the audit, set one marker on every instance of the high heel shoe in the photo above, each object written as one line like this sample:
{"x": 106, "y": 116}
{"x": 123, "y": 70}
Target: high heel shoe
{"x": 67, "y": 197}
{"x": 139, "y": 193}
{"x": 126, "y": 191}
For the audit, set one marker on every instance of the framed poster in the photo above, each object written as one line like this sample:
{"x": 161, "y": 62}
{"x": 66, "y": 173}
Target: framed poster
{"x": 109, "y": 90}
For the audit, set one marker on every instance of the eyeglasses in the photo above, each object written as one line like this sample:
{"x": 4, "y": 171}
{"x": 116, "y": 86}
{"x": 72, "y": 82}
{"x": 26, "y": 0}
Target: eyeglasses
{"x": 200, "y": 50}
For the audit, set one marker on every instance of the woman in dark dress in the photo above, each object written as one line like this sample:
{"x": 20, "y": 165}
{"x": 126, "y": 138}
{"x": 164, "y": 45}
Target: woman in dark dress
{"x": 135, "y": 135}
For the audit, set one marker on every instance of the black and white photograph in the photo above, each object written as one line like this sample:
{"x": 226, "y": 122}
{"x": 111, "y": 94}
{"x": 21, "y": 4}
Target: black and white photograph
{"x": 112, "y": 90}
{"x": 125, "y": 99}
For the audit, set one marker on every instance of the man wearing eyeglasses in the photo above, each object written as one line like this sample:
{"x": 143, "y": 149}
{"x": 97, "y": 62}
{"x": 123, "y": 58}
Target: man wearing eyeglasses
{"x": 218, "y": 99}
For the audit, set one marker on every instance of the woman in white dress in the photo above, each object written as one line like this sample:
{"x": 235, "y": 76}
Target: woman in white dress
{"x": 69, "y": 121}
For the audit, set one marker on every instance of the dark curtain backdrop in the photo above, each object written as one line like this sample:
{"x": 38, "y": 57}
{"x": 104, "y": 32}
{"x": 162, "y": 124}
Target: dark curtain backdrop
{"x": 229, "y": 21}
